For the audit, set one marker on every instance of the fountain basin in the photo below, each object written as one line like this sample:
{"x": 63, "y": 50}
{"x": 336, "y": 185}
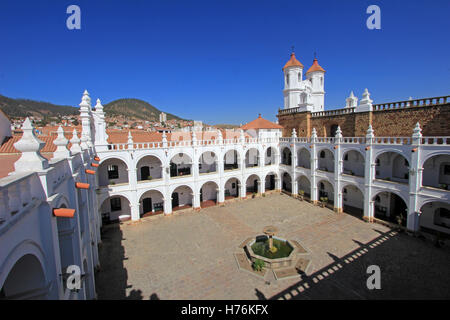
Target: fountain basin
{"x": 273, "y": 263}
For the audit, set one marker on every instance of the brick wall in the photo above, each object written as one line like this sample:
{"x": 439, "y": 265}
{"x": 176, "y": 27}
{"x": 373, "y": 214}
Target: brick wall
{"x": 434, "y": 121}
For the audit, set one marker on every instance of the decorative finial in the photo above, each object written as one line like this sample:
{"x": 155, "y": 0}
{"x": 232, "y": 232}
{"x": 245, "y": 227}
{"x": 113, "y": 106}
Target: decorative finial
{"x": 75, "y": 141}
{"x": 294, "y": 133}
{"x": 29, "y": 145}
{"x": 61, "y": 145}
{"x": 338, "y": 132}
{"x": 417, "y": 132}
{"x": 292, "y": 49}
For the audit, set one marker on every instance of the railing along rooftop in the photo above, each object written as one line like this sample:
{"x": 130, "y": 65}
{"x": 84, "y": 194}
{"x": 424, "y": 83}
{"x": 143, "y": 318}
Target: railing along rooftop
{"x": 424, "y": 102}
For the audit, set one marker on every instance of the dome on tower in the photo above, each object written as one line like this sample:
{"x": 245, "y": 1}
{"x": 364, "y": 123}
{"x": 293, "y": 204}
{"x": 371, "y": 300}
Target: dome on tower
{"x": 293, "y": 62}
{"x": 315, "y": 67}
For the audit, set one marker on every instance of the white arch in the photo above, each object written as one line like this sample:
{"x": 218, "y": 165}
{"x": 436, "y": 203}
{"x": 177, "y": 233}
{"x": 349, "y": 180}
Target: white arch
{"x": 20, "y": 250}
{"x": 143, "y": 155}
{"x": 208, "y": 181}
{"x": 173, "y": 188}
{"x": 348, "y": 183}
{"x": 347, "y": 150}
{"x": 377, "y": 192}
{"x": 378, "y": 153}
{"x": 431, "y": 155}
{"x": 141, "y": 193}
{"x": 319, "y": 150}
{"x": 105, "y": 197}
{"x": 114, "y": 156}
{"x": 270, "y": 173}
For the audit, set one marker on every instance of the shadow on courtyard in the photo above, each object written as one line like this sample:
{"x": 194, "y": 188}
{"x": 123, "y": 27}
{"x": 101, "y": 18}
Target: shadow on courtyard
{"x": 111, "y": 280}
{"x": 406, "y": 272}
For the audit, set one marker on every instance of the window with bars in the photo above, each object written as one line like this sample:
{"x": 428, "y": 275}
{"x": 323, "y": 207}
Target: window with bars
{"x": 113, "y": 171}
{"x": 116, "y": 204}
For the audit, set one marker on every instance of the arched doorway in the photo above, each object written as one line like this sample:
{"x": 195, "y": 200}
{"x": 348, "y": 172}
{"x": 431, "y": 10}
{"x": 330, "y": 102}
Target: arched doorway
{"x": 182, "y": 198}
{"x": 180, "y": 165}
{"x": 209, "y": 194}
{"x": 270, "y": 182}
{"x": 390, "y": 207}
{"x": 353, "y": 163}
{"x": 207, "y": 162}
{"x": 325, "y": 192}
{"x": 151, "y": 203}
{"x": 252, "y": 158}
{"x": 304, "y": 185}
{"x": 304, "y": 158}
{"x": 149, "y": 168}
{"x": 112, "y": 171}
{"x": 25, "y": 281}
{"x": 325, "y": 160}
{"x": 435, "y": 217}
{"x": 286, "y": 156}
{"x": 353, "y": 200}
{"x": 270, "y": 156}
{"x": 392, "y": 166}
{"x": 115, "y": 209}
{"x": 231, "y": 160}
{"x": 252, "y": 184}
{"x": 286, "y": 182}
{"x": 232, "y": 188}
{"x": 436, "y": 172}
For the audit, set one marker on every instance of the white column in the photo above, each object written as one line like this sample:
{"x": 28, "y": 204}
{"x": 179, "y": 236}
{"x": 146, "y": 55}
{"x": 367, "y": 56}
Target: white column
{"x": 294, "y": 186}
{"x": 338, "y": 202}
{"x": 369, "y": 174}
{"x": 313, "y": 154}
{"x": 415, "y": 181}
{"x": 132, "y": 182}
{"x": 196, "y": 199}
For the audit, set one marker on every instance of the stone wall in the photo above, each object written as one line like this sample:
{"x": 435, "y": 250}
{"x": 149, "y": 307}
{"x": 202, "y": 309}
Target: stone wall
{"x": 434, "y": 121}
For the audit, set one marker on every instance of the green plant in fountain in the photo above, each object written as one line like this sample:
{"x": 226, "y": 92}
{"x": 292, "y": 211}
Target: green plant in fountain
{"x": 149, "y": 178}
{"x": 258, "y": 265}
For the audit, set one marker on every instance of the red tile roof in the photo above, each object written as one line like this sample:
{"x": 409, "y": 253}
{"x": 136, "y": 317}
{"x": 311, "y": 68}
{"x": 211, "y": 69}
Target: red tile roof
{"x": 293, "y": 62}
{"x": 261, "y": 123}
{"x": 315, "y": 67}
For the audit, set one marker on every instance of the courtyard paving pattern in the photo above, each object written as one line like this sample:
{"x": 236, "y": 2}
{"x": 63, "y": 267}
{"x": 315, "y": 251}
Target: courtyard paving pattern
{"x": 189, "y": 255}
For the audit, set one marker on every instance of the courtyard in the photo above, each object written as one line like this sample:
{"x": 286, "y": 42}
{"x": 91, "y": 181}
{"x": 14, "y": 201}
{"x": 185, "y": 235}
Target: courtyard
{"x": 190, "y": 255}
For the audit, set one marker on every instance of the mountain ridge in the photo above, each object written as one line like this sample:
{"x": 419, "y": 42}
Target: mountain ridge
{"x": 126, "y": 107}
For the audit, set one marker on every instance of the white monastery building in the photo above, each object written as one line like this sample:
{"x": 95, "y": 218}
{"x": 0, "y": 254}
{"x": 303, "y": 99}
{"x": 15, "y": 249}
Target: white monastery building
{"x": 51, "y": 210}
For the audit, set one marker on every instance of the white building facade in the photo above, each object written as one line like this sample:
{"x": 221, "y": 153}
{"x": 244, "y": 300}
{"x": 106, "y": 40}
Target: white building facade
{"x": 49, "y": 222}
{"x": 51, "y": 211}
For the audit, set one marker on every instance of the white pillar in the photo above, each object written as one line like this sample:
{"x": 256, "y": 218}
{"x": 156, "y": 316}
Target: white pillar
{"x": 369, "y": 174}
{"x": 313, "y": 154}
{"x": 338, "y": 201}
{"x": 415, "y": 181}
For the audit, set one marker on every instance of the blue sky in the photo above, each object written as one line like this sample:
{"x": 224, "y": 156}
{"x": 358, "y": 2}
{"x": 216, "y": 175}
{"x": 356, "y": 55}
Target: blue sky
{"x": 220, "y": 61}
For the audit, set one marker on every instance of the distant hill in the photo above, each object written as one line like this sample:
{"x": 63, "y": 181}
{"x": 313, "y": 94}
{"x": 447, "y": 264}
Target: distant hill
{"x": 226, "y": 126}
{"x": 135, "y": 108}
{"x": 25, "y": 108}
{"x": 128, "y": 108}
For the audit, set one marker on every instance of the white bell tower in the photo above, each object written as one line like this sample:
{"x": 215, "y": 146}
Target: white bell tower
{"x": 316, "y": 75}
{"x": 293, "y": 76}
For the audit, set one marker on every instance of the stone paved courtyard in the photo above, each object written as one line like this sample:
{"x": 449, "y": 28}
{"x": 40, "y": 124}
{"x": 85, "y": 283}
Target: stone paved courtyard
{"x": 189, "y": 255}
